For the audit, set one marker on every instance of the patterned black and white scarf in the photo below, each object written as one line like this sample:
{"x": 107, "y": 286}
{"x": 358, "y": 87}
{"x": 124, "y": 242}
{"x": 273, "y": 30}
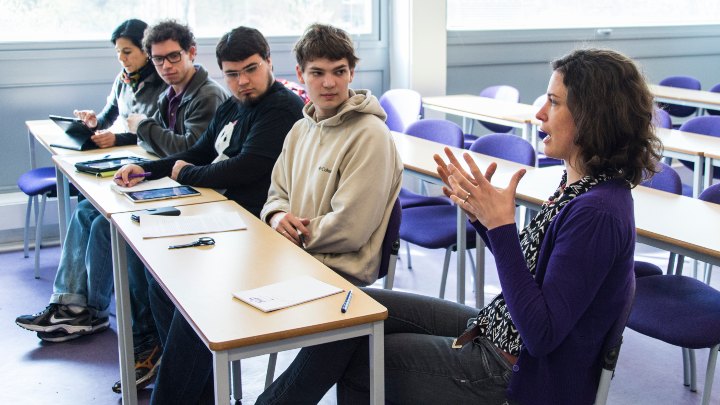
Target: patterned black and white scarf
{"x": 494, "y": 319}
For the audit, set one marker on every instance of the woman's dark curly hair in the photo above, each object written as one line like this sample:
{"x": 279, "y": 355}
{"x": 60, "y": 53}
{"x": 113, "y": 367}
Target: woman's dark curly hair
{"x": 613, "y": 112}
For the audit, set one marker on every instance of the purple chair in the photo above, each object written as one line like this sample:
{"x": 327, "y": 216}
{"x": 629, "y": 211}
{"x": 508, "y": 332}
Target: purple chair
{"x": 36, "y": 182}
{"x": 440, "y": 131}
{"x": 705, "y": 125}
{"x": 500, "y": 92}
{"x": 685, "y": 82}
{"x": 402, "y": 106}
{"x": 662, "y": 119}
{"x": 505, "y": 146}
{"x": 611, "y": 347}
{"x": 715, "y": 89}
{"x": 681, "y": 311}
{"x": 666, "y": 180}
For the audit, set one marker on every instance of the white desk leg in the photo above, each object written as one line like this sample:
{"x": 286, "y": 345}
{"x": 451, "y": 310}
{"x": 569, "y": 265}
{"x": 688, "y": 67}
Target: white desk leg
{"x": 125, "y": 338}
{"x": 709, "y": 169}
{"x": 63, "y": 198}
{"x": 221, "y": 367}
{"x": 31, "y": 147}
{"x": 377, "y": 363}
{"x": 480, "y": 272}
{"x": 461, "y": 249}
{"x": 697, "y": 176}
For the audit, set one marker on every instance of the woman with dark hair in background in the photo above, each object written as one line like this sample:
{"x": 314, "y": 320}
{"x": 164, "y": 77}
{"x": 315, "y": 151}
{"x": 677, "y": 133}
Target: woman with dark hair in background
{"x": 135, "y": 90}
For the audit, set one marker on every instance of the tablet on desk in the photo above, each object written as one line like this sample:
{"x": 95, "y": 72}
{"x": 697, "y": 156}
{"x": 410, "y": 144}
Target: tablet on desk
{"x": 78, "y": 134}
{"x": 161, "y": 193}
{"x": 99, "y": 166}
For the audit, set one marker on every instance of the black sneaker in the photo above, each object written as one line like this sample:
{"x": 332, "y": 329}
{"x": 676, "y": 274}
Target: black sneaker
{"x": 57, "y": 336}
{"x": 146, "y": 366}
{"x": 57, "y": 317}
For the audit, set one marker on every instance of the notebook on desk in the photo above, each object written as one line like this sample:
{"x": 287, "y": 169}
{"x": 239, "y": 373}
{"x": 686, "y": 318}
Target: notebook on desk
{"x": 77, "y": 134}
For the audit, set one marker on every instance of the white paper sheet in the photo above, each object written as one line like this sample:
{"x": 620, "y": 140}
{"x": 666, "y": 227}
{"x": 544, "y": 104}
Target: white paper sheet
{"x": 157, "y": 226}
{"x": 287, "y": 293}
{"x": 146, "y": 185}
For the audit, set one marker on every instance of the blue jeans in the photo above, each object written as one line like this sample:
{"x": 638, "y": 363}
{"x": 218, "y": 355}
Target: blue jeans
{"x": 185, "y": 373}
{"x": 420, "y": 365}
{"x": 85, "y": 273}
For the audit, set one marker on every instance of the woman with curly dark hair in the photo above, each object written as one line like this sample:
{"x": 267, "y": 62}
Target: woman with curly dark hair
{"x": 566, "y": 278}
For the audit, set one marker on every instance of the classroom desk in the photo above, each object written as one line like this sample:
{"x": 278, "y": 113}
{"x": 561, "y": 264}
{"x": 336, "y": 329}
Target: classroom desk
{"x": 200, "y": 282}
{"x": 417, "y": 157}
{"x": 97, "y": 191}
{"x": 692, "y": 147}
{"x": 688, "y": 97}
{"x": 46, "y": 132}
{"x": 516, "y": 115}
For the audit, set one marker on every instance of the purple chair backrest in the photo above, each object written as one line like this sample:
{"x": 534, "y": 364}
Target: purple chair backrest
{"x": 705, "y": 125}
{"x": 715, "y": 89}
{"x": 685, "y": 82}
{"x": 504, "y": 93}
{"x": 441, "y": 131}
{"x": 711, "y": 194}
{"x": 402, "y": 106}
{"x": 662, "y": 119}
{"x": 666, "y": 179}
{"x": 391, "y": 241}
{"x": 505, "y": 146}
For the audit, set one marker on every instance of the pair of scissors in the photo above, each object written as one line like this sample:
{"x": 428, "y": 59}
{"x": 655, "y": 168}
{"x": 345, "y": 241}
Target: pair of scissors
{"x": 204, "y": 241}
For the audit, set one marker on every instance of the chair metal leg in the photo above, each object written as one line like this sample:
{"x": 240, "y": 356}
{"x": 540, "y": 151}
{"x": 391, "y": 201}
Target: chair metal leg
{"x": 710, "y": 374}
{"x": 693, "y": 372}
{"x": 390, "y": 276}
{"x": 708, "y": 272}
{"x": 236, "y": 382}
{"x": 409, "y": 258}
{"x": 446, "y": 265}
{"x": 686, "y": 366}
{"x": 26, "y": 248}
{"x": 671, "y": 264}
{"x": 38, "y": 234}
{"x": 270, "y": 376}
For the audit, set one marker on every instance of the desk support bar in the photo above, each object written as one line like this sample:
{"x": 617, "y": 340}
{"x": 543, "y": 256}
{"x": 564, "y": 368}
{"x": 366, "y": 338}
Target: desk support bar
{"x": 122, "y": 300}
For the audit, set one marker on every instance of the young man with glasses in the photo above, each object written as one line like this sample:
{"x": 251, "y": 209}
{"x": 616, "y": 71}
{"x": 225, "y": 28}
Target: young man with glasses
{"x": 82, "y": 289}
{"x": 236, "y": 153}
{"x": 187, "y": 107}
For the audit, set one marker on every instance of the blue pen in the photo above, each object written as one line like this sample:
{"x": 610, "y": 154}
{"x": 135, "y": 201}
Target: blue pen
{"x": 136, "y": 175}
{"x": 346, "y": 304}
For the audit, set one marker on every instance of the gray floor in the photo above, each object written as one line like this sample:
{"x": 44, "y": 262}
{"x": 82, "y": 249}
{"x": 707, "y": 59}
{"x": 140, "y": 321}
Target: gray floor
{"x": 82, "y": 371}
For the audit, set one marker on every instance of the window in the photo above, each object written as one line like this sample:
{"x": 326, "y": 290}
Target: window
{"x": 51, "y": 20}
{"x": 537, "y": 14}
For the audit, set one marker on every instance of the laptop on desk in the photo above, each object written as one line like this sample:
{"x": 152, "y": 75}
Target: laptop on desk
{"x": 77, "y": 134}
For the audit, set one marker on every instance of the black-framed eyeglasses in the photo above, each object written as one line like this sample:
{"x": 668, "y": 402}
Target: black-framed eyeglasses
{"x": 247, "y": 71}
{"x": 172, "y": 57}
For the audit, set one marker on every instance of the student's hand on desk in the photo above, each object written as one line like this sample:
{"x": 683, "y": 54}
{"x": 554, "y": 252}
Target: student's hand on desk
{"x": 177, "y": 168}
{"x": 474, "y": 193}
{"x": 122, "y": 176}
{"x": 87, "y": 116}
{"x": 103, "y": 139}
{"x": 290, "y": 226}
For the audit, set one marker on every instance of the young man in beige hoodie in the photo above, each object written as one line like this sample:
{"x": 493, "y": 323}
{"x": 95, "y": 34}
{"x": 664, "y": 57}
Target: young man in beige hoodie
{"x": 334, "y": 185}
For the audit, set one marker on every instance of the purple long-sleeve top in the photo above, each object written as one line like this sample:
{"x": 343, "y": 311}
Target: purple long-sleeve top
{"x": 584, "y": 271}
